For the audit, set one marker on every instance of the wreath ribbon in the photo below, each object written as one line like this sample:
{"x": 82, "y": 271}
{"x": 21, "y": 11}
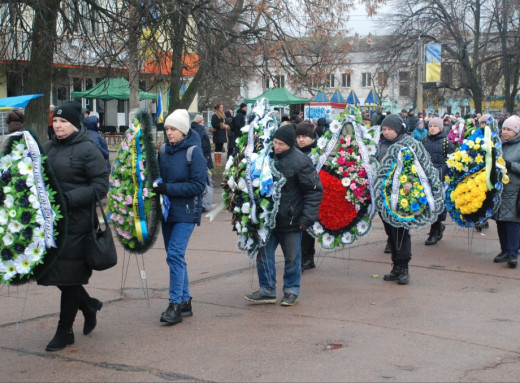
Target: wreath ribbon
{"x": 249, "y": 181}
{"x": 366, "y": 164}
{"x": 39, "y": 182}
{"x": 138, "y": 201}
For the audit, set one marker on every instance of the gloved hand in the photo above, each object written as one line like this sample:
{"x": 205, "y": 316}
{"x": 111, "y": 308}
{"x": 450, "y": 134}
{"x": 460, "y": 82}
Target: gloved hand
{"x": 159, "y": 188}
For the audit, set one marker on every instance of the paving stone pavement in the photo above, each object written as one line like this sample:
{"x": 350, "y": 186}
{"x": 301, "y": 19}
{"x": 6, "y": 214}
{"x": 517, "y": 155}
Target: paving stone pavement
{"x": 457, "y": 320}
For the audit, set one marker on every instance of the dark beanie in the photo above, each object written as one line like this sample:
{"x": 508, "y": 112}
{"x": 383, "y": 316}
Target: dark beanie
{"x": 394, "y": 122}
{"x": 242, "y": 105}
{"x": 304, "y": 129}
{"x": 286, "y": 134}
{"x": 70, "y": 111}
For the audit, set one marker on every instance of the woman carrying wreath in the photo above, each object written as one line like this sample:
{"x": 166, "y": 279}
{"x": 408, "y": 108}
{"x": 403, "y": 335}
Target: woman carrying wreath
{"x": 507, "y": 216}
{"x": 181, "y": 185}
{"x": 81, "y": 172}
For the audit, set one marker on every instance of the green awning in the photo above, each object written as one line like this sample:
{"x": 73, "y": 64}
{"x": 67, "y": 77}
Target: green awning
{"x": 279, "y": 96}
{"x": 112, "y": 89}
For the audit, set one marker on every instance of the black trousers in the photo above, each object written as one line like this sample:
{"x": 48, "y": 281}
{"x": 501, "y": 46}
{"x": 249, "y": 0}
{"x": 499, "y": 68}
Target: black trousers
{"x": 308, "y": 248}
{"x": 400, "y": 243}
{"x": 73, "y": 298}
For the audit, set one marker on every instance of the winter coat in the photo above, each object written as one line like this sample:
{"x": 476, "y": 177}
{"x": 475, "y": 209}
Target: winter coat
{"x": 307, "y": 149}
{"x": 321, "y": 126}
{"x": 439, "y": 147}
{"x": 239, "y": 123}
{"x": 219, "y": 137}
{"x": 301, "y": 195}
{"x": 419, "y": 134}
{"x": 101, "y": 144}
{"x": 377, "y": 118}
{"x": 205, "y": 143}
{"x": 385, "y": 144}
{"x": 511, "y": 154}
{"x": 184, "y": 184}
{"x": 81, "y": 172}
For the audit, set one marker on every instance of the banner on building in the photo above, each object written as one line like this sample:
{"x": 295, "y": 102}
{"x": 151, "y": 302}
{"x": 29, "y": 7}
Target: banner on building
{"x": 433, "y": 62}
{"x": 160, "y": 113}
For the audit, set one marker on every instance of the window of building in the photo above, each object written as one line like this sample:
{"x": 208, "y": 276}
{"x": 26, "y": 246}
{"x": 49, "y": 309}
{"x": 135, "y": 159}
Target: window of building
{"x": 404, "y": 90}
{"x": 382, "y": 79}
{"x": 345, "y": 80}
{"x": 142, "y": 85}
{"x": 404, "y": 76}
{"x": 280, "y": 81}
{"x": 266, "y": 81}
{"x": 76, "y": 84}
{"x": 366, "y": 80}
{"x": 332, "y": 82}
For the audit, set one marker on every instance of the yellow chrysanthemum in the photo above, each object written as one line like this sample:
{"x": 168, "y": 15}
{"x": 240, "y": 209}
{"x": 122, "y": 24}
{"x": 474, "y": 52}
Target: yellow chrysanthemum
{"x": 404, "y": 203}
{"x": 479, "y": 159}
{"x": 414, "y": 169}
{"x": 403, "y": 179}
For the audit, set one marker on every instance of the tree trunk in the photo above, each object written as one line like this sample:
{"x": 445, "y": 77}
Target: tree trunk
{"x": 39, "y": 73}
{"x": 134, "y": 33}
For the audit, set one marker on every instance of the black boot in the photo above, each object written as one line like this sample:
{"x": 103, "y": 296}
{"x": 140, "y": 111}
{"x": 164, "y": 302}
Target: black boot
{"x": 394, "y": 274}
{"x": 308, "y": 263}
{"x": 440, "y": 232}
{"x": 90, "y": 309}
{"x": 61, "y": 339}
{"x": 404, "y": 276}
{"x": 186, "y": 308}
{"x": 173, "y": 314}
{"x": 432, "y": 237}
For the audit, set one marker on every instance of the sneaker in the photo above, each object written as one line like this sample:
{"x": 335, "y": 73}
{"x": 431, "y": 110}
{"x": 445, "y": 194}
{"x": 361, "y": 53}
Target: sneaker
{"x": 289, "y": 299}
{"x": 258, "y": 298}
{"x": 512, "y": 262}
{"x": 501, "y": 258}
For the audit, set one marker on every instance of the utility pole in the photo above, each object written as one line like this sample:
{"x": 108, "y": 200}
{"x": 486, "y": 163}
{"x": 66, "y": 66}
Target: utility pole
{"x": 420, "y": 76}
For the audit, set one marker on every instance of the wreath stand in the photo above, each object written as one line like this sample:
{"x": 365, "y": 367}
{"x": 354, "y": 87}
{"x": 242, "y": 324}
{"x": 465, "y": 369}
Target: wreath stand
{"x": 142, "y": 274}
{"x": 24, "y": 297}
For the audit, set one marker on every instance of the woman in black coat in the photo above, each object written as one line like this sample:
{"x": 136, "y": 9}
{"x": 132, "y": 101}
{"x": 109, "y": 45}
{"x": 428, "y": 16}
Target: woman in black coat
{"x": 219, "y": 128}
{"x": 81, "y": 172}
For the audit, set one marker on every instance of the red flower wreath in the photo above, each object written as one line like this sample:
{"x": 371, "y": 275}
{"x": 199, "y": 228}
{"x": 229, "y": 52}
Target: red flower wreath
{"x": 335, "y": 211}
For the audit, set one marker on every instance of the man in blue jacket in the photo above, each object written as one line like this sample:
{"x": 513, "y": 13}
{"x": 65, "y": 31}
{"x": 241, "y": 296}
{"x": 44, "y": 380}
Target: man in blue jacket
{"x": 299, "y": 206}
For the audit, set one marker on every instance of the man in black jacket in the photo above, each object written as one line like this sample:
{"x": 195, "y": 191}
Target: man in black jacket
{"x": 298, "y": 209}
{"x": 240, "y": 120}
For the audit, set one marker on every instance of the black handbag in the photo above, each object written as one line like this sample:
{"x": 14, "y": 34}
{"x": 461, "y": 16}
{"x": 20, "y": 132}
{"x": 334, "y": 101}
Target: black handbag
{"x": 100, "y": 250}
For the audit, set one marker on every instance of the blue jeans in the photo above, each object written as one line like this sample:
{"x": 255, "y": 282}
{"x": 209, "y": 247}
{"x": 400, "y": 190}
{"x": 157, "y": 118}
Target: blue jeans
{"x": 176, "y": 237}
{"x": 265, "y": 263}
{"x": 509, "y": 237}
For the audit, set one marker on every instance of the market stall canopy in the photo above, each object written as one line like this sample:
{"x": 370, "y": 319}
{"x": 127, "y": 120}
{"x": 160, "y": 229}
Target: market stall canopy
{"x": 352, "y": 98}
{"x": 321, "y": 97}
{"x": 279, "y": 96}
{"x": 338, "y": 98}
{"x": 372, "y": 98}
{"x": 17, "y": 101}
{"x": 112, "y": 89}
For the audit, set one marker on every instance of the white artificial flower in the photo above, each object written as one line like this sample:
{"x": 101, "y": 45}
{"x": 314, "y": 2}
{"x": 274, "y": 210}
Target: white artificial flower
{"x": 256, "y": 182}
{"x": 3, "y": 217}
{"x": 249, "y": 244}
{"x": 9, "y": 200}
{"x": 2, "y": 230}
{"x": 34, "y": 251}
{"x": 30, "y": 180}
{"x": 327, "y": 240}
{"x": 26, "y": 166}
{"x": 35, "y": 202}
{"x": 238, "y": 226}
{"x": 8, "y": 239}
{"x": 371, "y": 150}
{"x": 12, "y": 213}
{"x": 6, "y": 162}
{"x": 347, "y": 238}
{"x": 14, "y": 226}
{"x": 22, "y": 264}
{"x": 345, "y": 182}
{"x": 246, "y": 208}
{"x": 244, "y": 129}
{"x": 231, "y": 183}
{"x": 39, "y": 218}
{"x": 334, "y": 127}
{"x": 322, "y": 142}
{"x": 317, "y": 228}
{"x": 362, "y": 227}
{"x": 10, "y": 270}
{"x": 315, "y": 158}
{"x": 39, "y": 233}
{"x": 242, "y": 185}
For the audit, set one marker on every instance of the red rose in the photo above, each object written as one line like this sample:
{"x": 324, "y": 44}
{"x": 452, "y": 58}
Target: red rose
{"x": 350, "y": 151}
{"x": 362, "y": 172}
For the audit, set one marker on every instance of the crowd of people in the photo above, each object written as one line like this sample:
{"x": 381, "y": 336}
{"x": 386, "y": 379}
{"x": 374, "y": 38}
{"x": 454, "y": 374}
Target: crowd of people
{"x": 79, "y": 156}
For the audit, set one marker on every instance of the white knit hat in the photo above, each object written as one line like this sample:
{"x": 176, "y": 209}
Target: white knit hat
{"x": 180, "y": 120}
{"x": 512, "y": 123}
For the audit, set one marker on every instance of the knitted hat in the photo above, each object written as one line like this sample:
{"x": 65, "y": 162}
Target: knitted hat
{"x": 286, "y": 134}
{"x": 15, "y": 120}
{"x": 180, "y": 120}
{"x": 485, "y": 117}
{"x": 512, "y": 123}
{"x": 436, "y": 121}
{"x": 70, "y": 111}
{"x": 242, "y": 105}
{"x": 394, "y": 122}
{"x": 304, "y": 129}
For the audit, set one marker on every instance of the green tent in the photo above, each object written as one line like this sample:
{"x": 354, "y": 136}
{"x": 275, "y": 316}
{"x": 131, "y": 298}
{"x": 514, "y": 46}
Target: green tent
{"x": 279, "y": 96}
{"x": 112, "y": 89}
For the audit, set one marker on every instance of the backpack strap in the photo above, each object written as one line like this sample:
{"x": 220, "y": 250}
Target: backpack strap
{"x": 189, "y": 154}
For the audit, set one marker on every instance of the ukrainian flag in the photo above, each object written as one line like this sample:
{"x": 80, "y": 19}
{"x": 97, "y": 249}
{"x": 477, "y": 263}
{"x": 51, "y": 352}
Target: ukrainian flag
{"x": 160, "y": 115}
{"x": 433, "y": 62}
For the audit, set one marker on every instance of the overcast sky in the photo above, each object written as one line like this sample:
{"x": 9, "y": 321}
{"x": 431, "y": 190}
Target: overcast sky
{"x": 361, "y": 23}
